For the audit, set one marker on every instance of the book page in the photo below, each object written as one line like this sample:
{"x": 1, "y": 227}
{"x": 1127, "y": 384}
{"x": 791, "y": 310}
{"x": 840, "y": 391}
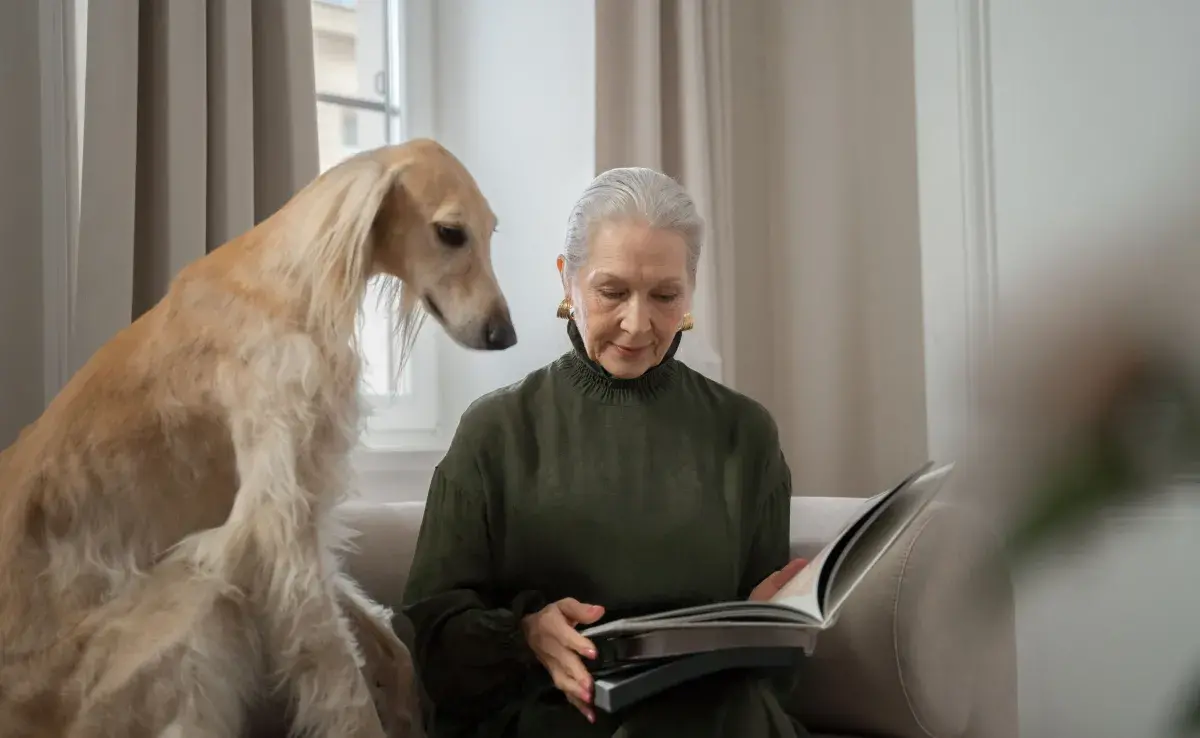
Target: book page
{"x": 804, "y": 591}
{"x": 800, "y": 593}
{"x": 879, "y": 536}
{"x": 801, "y": 600}
{"x": 750, "y": 614}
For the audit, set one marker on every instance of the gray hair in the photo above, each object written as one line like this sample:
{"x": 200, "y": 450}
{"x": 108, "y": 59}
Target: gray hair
{"x": 634, "y": 193}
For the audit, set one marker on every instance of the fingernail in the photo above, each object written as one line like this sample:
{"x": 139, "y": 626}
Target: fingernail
{"x": 591, "y": 654}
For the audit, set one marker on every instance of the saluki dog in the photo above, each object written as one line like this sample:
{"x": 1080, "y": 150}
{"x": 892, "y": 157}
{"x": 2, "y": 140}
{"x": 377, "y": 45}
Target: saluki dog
{"x": 169, "y": 548}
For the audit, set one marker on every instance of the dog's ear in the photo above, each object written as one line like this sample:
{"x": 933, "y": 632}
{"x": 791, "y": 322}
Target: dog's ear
{"x": 331, "y": 225}
{"x": 347, "y": 200}
{"x": 338, "y": 211}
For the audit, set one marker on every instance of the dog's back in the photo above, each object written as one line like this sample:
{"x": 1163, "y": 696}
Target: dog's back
{"x": 130, "y": 458}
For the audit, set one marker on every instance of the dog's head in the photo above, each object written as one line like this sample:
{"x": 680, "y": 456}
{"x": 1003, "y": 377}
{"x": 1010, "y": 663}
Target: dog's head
{"x": 431, "y": 228}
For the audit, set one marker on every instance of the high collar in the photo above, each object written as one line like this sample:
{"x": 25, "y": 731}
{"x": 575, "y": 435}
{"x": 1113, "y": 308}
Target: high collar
{"x": 594, "y": 380}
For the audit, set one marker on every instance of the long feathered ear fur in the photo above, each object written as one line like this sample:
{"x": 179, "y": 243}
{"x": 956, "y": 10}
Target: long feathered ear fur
{"x": 331, "y": 235}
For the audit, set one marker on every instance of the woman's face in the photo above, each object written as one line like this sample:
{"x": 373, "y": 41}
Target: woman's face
{"x": 631, "y": 295}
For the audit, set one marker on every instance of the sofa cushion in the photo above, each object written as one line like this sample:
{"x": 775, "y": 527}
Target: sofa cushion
{"x": 904, "y": 659}
{"x": 382, "y": 551}
{"x": 386, "y": 539}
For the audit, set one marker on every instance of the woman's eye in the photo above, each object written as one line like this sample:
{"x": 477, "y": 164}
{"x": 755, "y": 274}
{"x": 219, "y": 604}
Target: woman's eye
{"x": 667, "y": 298}
{"x": 611, "y": 294}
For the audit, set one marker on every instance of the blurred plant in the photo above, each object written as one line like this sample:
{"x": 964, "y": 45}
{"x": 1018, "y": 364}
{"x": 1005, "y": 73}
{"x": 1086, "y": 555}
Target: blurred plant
{"x": 1139, "y": 436}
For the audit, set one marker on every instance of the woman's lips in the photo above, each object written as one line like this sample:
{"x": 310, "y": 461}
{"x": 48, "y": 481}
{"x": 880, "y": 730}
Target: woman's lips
{"x": 628, "y": 350}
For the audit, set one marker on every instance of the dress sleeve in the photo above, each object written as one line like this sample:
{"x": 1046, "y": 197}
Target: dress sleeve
{"x": 469, "y": 649}
{"x": 770, "y": 544}
{"x": 771, "y": 513}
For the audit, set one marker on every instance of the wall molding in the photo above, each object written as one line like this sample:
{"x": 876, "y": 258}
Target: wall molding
{"x": 60, "y": 185}
{"x": 978, "y": 203}
{"x": 394, "y": 476}
{"x": 959, "y": 246}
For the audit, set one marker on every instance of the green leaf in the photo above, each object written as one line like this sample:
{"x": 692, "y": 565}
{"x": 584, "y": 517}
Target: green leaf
{"x": 1188, "y": 720}
{"x": 1148, "y": 431}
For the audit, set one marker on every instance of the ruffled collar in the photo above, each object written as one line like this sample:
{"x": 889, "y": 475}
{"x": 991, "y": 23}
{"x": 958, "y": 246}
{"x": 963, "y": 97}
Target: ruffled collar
{"x": 594, "y": 380}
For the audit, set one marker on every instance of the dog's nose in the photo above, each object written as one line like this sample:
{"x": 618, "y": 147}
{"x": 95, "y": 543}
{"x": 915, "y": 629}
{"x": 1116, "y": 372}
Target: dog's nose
{"x": 499, "y": 333}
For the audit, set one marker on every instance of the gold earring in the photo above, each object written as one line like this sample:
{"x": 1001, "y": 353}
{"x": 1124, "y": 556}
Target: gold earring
{"x": 688, "y": 323}
{"x": 566, "y": 310}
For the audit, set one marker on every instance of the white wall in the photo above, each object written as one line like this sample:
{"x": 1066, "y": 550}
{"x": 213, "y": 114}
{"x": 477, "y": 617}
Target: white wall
{"x": 515, "y": 101}
{"x": 1096, "y": 126}
{"x": 1043, "y": 125}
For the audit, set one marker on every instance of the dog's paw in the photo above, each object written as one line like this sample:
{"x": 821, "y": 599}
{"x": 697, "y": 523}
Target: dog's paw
{"x": 398, "y": 708}
{"x": 391, "y": 676}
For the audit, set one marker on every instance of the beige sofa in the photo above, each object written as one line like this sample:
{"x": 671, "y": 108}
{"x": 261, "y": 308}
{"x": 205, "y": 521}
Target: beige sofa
{"x": 902, "y": 662}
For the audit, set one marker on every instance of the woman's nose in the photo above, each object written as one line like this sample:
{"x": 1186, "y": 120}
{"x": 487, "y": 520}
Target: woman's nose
{"x": 637, "y": 317}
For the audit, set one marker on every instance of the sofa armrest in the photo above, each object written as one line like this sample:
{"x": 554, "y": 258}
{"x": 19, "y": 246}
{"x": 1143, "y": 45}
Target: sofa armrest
{"x": 381, "y": 550}
{"x": 912, "y": 655}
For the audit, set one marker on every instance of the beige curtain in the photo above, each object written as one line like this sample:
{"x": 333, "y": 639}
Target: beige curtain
{"x": 21, "y": 314}
{"x": 663, "y": 100}
{"x": 792, "y": 122}
{"x": 199, "y": 119}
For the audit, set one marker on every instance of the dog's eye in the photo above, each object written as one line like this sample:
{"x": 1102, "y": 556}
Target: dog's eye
{"x": 451, "y": 235}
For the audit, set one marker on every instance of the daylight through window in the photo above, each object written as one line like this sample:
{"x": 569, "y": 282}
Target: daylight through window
{"x": 358, "y": 64}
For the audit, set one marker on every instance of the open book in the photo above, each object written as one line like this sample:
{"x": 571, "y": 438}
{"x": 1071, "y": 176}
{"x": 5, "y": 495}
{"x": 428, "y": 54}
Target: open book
{"x": 642, "y": 655}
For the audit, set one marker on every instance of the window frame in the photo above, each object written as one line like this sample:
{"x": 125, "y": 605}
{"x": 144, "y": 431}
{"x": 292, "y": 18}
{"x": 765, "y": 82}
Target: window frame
{"x": 406, "y": 416}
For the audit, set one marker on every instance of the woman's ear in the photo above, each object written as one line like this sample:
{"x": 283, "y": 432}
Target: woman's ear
{"x": 561, "y": 263}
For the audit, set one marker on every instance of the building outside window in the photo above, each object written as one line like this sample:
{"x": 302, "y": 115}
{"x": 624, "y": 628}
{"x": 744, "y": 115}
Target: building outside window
{"x": 359, "y": 59}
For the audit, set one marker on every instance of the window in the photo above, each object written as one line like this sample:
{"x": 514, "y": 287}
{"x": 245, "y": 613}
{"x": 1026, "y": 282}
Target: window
{"x": 349, "y": 128}
{"x": 362, "y": 65}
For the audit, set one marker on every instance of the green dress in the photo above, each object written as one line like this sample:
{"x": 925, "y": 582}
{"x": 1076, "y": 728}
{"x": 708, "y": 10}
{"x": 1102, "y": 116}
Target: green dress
{"x": 639, "y": 494}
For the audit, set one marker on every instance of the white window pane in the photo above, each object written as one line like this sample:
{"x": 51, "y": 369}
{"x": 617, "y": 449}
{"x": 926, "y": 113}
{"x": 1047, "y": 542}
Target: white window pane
{"x": 375, "y": 338}
{"x": 350, "y": 48}
{"x": 357, "y": 55}
{"x": 370, "y": 130}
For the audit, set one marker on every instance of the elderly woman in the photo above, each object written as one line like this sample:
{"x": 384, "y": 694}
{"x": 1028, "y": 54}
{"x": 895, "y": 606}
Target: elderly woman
{"x": 614, "y": 481}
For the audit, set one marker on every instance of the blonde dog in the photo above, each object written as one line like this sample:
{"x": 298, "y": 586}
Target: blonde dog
{"x": 168, "y": 540}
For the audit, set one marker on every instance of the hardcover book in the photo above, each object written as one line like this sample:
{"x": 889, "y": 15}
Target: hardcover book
{"x": 643, "y": 655}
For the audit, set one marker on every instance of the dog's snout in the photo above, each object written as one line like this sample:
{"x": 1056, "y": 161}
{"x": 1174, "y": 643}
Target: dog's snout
{"x": 499, "y": 332}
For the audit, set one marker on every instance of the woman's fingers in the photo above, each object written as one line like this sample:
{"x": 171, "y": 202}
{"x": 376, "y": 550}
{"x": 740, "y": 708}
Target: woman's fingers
{"x": 565, "y": 683}
{"x": 579, "y": 705}
{"x": 570, "y": 638}
{"x": 789, "y": 570}
{"x": 578, "y": 613}
{"x": 573, "y": 640}
{"x": 575, "y": 678}
{"x": 559, "y": 646}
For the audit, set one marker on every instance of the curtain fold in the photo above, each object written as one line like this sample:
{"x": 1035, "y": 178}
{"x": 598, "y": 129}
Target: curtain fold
{"x": 22, "y": 337}
{"x": 809, "y": 294}
{"x": 663, "y": 100}
{"x": 199, "y": 121}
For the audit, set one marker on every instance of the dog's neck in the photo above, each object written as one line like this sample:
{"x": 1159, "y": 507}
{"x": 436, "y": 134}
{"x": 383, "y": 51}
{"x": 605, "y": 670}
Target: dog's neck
{"x": 319, "y": 283}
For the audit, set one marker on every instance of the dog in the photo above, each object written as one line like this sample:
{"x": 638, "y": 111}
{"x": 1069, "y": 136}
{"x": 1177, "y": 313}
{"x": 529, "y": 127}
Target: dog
{"x": 169, "y": 546}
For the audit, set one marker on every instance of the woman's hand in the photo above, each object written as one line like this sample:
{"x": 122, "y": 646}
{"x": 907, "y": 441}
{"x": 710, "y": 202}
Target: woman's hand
{"x": 768, "y": 587}
{"x": 551, "y": 634}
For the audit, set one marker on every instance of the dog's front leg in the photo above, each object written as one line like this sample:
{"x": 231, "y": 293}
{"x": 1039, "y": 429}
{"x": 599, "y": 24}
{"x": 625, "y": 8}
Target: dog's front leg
{"x": 387, "y": 663}
{"x": 275, "y": 544}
